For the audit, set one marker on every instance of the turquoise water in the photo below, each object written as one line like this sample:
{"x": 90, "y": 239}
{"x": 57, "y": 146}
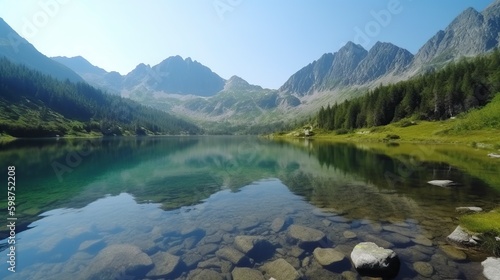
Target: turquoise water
{"x": 184, "y": 199}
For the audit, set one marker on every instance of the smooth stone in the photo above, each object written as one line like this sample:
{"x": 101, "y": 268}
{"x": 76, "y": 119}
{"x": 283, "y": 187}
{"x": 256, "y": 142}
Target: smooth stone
{"x": 191, "y": 259}
{"x": 210, "y": 263}
{"x": 90, "y": 244}
{"x": 400, "y": 230}
{"x": 165, "y": 264}
{"x": 423, "y": 268}
{"x": 244, "y": 273}
{"x": 205, "y": 274}
{"x": 349, "y": 275}
{"x": 453, "y": 253}
{"x": 349, "y": 234}
{"x": 116, "y": 261}
{"x": 460, "y": 236}
{"x": 397, "y": 239}
{"x": 255, "y": 247}
{"x": 326, "y": 222}
{"x": 471, "y": 209}
{"x": 328, "y": 256}
{"x": 278, "y": 224}
{"x": 188, "y": 230}
{"x": 377, "y": 240}
{"x": 280, "y": 269}
{"x": 491, "y": 268}
{"x": 248, "y": 223}
{"x": 232, "y": 255}
{"x": 305, "y": 234}
{"x": 374, "y": 261}
{"x": 216, "y": 238}
{"x": 296, "y": 252}
{"x": 227, "y": 227}
{"x": 422, "y": 240}
{"x": 207, "y": 249}
{"x": 441, "y": 183}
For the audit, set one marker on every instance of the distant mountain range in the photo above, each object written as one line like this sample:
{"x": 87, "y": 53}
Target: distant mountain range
{"x": 191, "y": 90}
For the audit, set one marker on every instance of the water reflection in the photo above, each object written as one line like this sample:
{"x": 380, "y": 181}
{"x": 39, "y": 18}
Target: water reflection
{"x": 191, "y": 196}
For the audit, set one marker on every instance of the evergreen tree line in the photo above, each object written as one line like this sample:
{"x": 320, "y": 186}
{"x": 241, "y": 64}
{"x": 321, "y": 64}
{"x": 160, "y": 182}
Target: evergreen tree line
{"x": 437, "y": 95}
{"x": 80, "y": 102}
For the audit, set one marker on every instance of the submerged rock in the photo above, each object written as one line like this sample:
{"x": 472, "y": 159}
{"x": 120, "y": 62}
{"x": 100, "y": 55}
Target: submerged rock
{"x": 453, "y": 253}
{"x": 305, "y": 236}
{"x": 461, "y": 237}
{"x": 279, "y": 224}
{"x": 117, "y": 261}
{"x": 491, "y": 268}
{"x": 424, "y": 269}
{"x": 255, "y": 247}
{"x": 234, "y": 256}
{"x": 374, "y": 261}
{"x": 165, "y": 265}
{"x": 204, "y": 274}
{"x": 328, "y": 256}
{"x": 244, "y": 273}
{"x": 280, "y": 270}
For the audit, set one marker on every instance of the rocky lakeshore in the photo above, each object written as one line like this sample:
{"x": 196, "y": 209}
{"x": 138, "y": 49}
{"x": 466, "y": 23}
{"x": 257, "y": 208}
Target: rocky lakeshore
{"x": 287, "y": 239}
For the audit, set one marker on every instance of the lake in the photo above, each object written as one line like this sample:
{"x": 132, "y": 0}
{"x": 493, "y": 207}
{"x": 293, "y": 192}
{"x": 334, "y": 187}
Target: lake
{"x": 193, "y": 207}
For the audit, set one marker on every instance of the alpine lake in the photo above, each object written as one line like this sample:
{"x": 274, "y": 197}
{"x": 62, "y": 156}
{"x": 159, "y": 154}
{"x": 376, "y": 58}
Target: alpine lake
{"x": 205, "y": 207}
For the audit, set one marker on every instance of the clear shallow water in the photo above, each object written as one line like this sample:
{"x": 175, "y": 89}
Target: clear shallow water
{"x": 191, "y": 197}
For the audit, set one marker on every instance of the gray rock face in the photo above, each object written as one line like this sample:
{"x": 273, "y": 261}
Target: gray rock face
{"x": 165, "y": 265}
{"x": 382, "y": 59}
{"x": 459, "y": 236}
{"x": 280, "y": 270}
{"x": 491, "y": 268}
{"x": 374, "y": 261}
{"x": 328, "y": 256}
{"x": 244, "y": 273}
{"x": 116, "y": 261}
{"x": 305, "y": 236}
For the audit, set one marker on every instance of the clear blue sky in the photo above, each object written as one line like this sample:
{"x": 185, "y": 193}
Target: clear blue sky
{"x": 262, "y": 41}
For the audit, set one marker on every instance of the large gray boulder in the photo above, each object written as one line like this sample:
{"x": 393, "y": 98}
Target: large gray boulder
{"x": 461, "y": 237}
{"x": 280, "y": 270}
{"x": 374, "y": 261}
{"x": 305, "y": 236}
{"x": 491, "y": 268}
{"x": 117, "y": 261}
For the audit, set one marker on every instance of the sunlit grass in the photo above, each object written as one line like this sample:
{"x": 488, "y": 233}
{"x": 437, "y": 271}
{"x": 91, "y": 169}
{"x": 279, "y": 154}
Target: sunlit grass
{"x": 482, "y": 222}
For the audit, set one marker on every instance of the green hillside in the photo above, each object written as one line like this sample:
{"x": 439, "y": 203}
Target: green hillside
{"x": 36, "y": 105}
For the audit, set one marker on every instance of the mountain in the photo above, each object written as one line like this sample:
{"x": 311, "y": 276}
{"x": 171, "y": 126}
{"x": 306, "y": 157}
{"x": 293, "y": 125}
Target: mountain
{"x": 33, "y": 104}
{"x": 98, "y": 77}
{"x": 328, "y": 71}
{"x": 469, "y": 34}
{"x": 18, "y": 50}
{"x": 174, "y": 75}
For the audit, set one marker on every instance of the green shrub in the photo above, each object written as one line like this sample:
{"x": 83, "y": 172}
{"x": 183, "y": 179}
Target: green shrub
{"x": 392, "y": 137}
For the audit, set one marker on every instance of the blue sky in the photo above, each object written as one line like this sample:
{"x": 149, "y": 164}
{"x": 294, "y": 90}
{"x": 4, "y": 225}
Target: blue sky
{"x": 262, "y": 41}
